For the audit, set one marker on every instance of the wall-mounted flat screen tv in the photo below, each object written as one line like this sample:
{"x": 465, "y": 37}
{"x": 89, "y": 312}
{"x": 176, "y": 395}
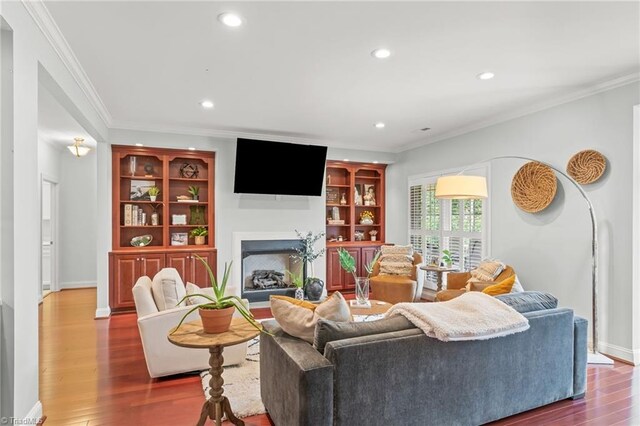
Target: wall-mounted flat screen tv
{"x": 264, "y": 167}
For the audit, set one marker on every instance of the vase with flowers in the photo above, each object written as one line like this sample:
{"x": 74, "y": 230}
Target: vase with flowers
{"x": 366, "y": 218}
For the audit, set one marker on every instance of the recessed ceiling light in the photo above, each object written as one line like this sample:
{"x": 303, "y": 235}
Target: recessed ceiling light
{"x": 346, "y": 159}
{"x": 375, "y": 162}
{"x": 230, "y": 19}
{"x": 139, "y": 144}
{"x": 191, "y": 148}
{"x": 206, "y": 104}
{"x": 379, "y": 125}
{"x": 485, "y": 75}
{"x": 381, "y": 53}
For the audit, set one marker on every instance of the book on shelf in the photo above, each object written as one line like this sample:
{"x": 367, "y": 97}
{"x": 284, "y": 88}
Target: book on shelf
{"x": 187, "y": 201}
{"x": 128, "y": 214}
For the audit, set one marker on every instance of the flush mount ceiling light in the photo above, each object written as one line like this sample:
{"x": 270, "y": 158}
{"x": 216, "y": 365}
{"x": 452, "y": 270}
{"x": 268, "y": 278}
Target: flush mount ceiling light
{"x": 381, "y": 53}
{"x": 206, "y": 104}
{"x": 487, "y": 75}
{"x": 139, "y": 144}
{"x": 191, "y": 148}
{"x": 78, "y": 149}
{"x": 379, "y": 125}
{"x": 230, "y": 19}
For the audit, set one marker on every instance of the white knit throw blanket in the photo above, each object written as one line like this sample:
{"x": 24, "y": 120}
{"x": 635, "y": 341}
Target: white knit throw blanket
{"x": 471, "y": 316}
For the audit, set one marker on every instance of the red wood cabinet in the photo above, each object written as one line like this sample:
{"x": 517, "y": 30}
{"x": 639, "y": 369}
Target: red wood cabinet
{"x": 190, "y": 268}
{"x": 338, "y": 278}
{"x": 127, "y": 268}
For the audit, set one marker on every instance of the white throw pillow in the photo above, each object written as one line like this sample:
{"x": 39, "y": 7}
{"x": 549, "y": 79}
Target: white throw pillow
{"x": 517, "y": 287}
{"x": 194, "y": 289}
{"x": 167, "y": 293}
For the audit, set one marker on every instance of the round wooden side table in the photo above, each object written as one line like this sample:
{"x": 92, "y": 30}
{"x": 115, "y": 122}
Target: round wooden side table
{"x": 191, "y": 335}
{"x": 377, "y": 307}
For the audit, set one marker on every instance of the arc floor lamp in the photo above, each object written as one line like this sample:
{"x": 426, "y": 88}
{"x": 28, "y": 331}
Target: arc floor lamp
{"x": 472, "y": 187}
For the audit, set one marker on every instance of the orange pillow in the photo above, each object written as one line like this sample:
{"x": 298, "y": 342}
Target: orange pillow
{"x": 503, "y": 287}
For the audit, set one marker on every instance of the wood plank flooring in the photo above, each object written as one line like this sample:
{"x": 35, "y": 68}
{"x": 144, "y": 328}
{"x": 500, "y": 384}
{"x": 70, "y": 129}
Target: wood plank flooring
{"x": 92, "y": 372}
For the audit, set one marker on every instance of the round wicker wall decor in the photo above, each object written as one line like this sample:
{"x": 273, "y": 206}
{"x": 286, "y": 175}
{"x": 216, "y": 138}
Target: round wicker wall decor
{"x": 587, "y": 166}
{"x": 533, "y": 187}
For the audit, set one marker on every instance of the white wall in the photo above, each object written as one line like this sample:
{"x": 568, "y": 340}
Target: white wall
{"x": 30, "y": 51}
{"x": 551, "y": 251}
{"x": 48, "y": 160}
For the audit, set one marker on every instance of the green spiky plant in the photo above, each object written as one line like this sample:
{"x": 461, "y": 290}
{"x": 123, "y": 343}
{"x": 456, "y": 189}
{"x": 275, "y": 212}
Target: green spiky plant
{"x": 296, "y": 279}
{"x": 219, "y": 301}
{"x": 348, "y": 263}
{"x": 194, "y": 191}
{"x": 200, "y": 231}
{"x": 154, "y": 191}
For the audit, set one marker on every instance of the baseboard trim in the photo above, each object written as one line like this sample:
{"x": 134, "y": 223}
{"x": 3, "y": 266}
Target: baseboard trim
{"x": 34, "y": 413}
{"x": 78, "y": 284}
{"x": 625, "y": 354}
{"x": 103, "y": 312}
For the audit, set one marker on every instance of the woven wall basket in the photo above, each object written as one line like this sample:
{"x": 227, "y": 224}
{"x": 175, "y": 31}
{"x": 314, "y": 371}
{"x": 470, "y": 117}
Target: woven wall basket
{"x": 533, "y": 187}
{"x": 587, "y": 166}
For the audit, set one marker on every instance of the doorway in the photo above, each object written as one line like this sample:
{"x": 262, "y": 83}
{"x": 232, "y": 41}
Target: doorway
{"x": 49, "y": 228}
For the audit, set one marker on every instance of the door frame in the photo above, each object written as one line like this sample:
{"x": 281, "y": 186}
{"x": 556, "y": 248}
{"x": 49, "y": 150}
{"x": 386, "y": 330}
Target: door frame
{"x": 55, "y": 223}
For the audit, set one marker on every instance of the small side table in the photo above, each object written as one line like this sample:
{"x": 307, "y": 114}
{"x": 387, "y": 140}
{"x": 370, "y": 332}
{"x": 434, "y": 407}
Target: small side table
{"x": 439, "y": 270}
{"x": 377, "y": 307}
{"x": 191, "y": 335}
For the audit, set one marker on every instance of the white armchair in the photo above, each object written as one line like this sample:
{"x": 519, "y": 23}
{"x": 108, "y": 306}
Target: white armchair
{"x": 164, "y": 358}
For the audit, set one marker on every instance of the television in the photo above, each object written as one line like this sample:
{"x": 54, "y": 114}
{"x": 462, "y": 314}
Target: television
{"x": 264, "y": 167}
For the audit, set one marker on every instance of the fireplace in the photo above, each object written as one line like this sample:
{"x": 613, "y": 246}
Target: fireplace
{"x": 264, "y": 266}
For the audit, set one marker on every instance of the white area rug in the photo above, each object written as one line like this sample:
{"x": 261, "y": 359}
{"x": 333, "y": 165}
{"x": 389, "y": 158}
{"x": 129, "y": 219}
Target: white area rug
{"x": 242, "y": 383}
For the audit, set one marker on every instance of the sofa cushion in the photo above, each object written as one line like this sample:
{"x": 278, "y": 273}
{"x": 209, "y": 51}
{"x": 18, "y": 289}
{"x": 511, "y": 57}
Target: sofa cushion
{"x": 298, "y": 318}
{"x": 487, "y": 270}
{"x": 503, "y": 287}
{"x": 167, "y": 292}
{"x": 396, "y": 260}
{"x": 329, "y": 331}
{"x": 528, "y": 301}
{"x": 193, "y": 289}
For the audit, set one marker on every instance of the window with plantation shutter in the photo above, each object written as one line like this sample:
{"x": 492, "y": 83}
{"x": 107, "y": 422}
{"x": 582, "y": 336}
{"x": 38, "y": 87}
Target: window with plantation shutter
{"x": 459, "y": 226}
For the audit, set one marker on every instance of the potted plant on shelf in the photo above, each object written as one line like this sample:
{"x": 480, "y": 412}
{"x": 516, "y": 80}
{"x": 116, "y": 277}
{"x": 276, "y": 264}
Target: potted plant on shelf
{"x": 194, "y": 191}
{"x": 307, "y": 254}
{"x": 298, "y": 282}
{"x": 446, "y": 258}
{"x": 366, "y": 218}
{"x": 199, "y": 235}
{"x": 348, "y": 263}
{"x": 217, "y": 311}
{"x": 373, "y": 234}
{"x": 154, "y": 191}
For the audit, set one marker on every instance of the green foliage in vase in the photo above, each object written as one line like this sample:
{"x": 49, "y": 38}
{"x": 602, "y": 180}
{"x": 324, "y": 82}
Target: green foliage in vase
{"x": 369, "y": 266}
{"x": 296, "y": 279}
{"x": 194, "y": 191}
{"x": 446, "y": 257}
{"x": 347, "y": 262}
{"x": 154, "y": 191}
{"x": 308, "y": 253}
{"x": 200, "y": 231}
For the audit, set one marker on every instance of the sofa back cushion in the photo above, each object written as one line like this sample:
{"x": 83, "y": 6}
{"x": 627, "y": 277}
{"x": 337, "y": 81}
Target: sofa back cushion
{"x": 299, "y": 318}
{"x": 143, "y": 297}
{"x": 329, "y": 331}
{"x": 528, "y": 301}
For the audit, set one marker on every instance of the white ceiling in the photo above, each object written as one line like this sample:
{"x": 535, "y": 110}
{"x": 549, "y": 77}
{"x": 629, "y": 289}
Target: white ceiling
{"x": 304, "y": 70}
{"x": 55, "y": 125}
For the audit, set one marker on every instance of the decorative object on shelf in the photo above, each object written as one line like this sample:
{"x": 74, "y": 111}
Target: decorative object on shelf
{"x": 348, "y": 263}
{"x": 340, "y": 238}
{"x": 155, "y": 217}
{"x": 333, "y": 196}
{"x": 366, "y": 218}
{"x": 78, "y": 148}
{"x": 308, "y": 254}
{"x": 587, "y": 166}
{"x": 154, "y": 191}
{"x": 328, "y": 179}
{"x": 216, "y": 313}
{"x": 373, "y": 234}
{"x": 199, "y": 234}
{"x": 474, "y": 187}
{"x": 335, "y": 222}
{"x": 297, "y": 281}
{"x": 197, "y": 216}
{"x": 194, "y": 191}
{"x": 178, "y": 219}
{"x": 189, "y": 171}
{"x": 185, "y": 199}
{"x": 133, "y": 161}
{"x": 434, "y": 261}
{"x": 358, "y": 235}
{"x": 533, "y": 187}
{"x": 141, "y": 240}
{"x": 140, "y": 190}
{"x": 357, "y": 197}
{"x": 343, "y": 200}
{"x": 335, "y": 213}
{"x": 148, "y": 170}
{"x": 313, "y": 288}
{"x": 446, "y": 258}
{"x": 369, "y": 195}
{"x": 179, "y": 239}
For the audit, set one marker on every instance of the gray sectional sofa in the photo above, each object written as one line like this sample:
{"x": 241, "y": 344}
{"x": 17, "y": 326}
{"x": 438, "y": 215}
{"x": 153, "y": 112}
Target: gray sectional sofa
{"x": 404, "y": 377}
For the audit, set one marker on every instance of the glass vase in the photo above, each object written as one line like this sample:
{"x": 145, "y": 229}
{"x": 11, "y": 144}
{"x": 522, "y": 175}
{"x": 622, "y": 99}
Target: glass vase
{"x": 299, "y": 293}
{"x": 132, "y": 165}
{"x": 362, "y": 291}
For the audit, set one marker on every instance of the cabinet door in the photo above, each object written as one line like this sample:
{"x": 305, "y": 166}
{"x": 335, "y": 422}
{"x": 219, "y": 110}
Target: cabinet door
{"x": 199, "y": 274}
{"x": 335, "y": 277}
{"x": 348, "y": 280}
{"x": 368, "y": 254}
{"x": 181, "y": 262}
{"x": 152, "y": 264}
{"x": 126, "y": 271}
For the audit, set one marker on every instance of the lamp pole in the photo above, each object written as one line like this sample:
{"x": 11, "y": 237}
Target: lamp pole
{"x": 595, "y": 357}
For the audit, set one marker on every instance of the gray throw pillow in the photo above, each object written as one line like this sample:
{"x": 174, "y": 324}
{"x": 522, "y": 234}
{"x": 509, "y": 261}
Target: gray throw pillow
{"x": 328, "y": 331}
{"x": 528, "y": 301}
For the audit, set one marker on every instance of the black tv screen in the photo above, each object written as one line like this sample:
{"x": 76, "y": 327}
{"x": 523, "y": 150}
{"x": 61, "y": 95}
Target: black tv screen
{"x": 264, "y": 167}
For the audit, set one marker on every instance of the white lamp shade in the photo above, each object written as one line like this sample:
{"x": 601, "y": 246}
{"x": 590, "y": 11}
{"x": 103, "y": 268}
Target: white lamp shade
{"x": 460, "y": 187}
{"x": 79, "y": 150}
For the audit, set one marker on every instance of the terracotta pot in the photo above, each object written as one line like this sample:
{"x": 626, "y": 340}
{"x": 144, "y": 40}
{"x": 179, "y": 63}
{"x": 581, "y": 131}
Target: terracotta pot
{"x": 199, "y": 239}
{"x": 216, "y": 320}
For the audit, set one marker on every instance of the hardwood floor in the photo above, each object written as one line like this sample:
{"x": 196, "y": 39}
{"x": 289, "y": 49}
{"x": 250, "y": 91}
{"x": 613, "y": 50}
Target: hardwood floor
{"x": 92, "y": 372}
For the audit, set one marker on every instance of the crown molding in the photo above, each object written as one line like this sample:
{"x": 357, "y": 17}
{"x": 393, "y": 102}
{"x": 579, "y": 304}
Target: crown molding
{"x": 47, "y": 25}
{"x": 233, "y": 134}
{"x": 550, "y": 103}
